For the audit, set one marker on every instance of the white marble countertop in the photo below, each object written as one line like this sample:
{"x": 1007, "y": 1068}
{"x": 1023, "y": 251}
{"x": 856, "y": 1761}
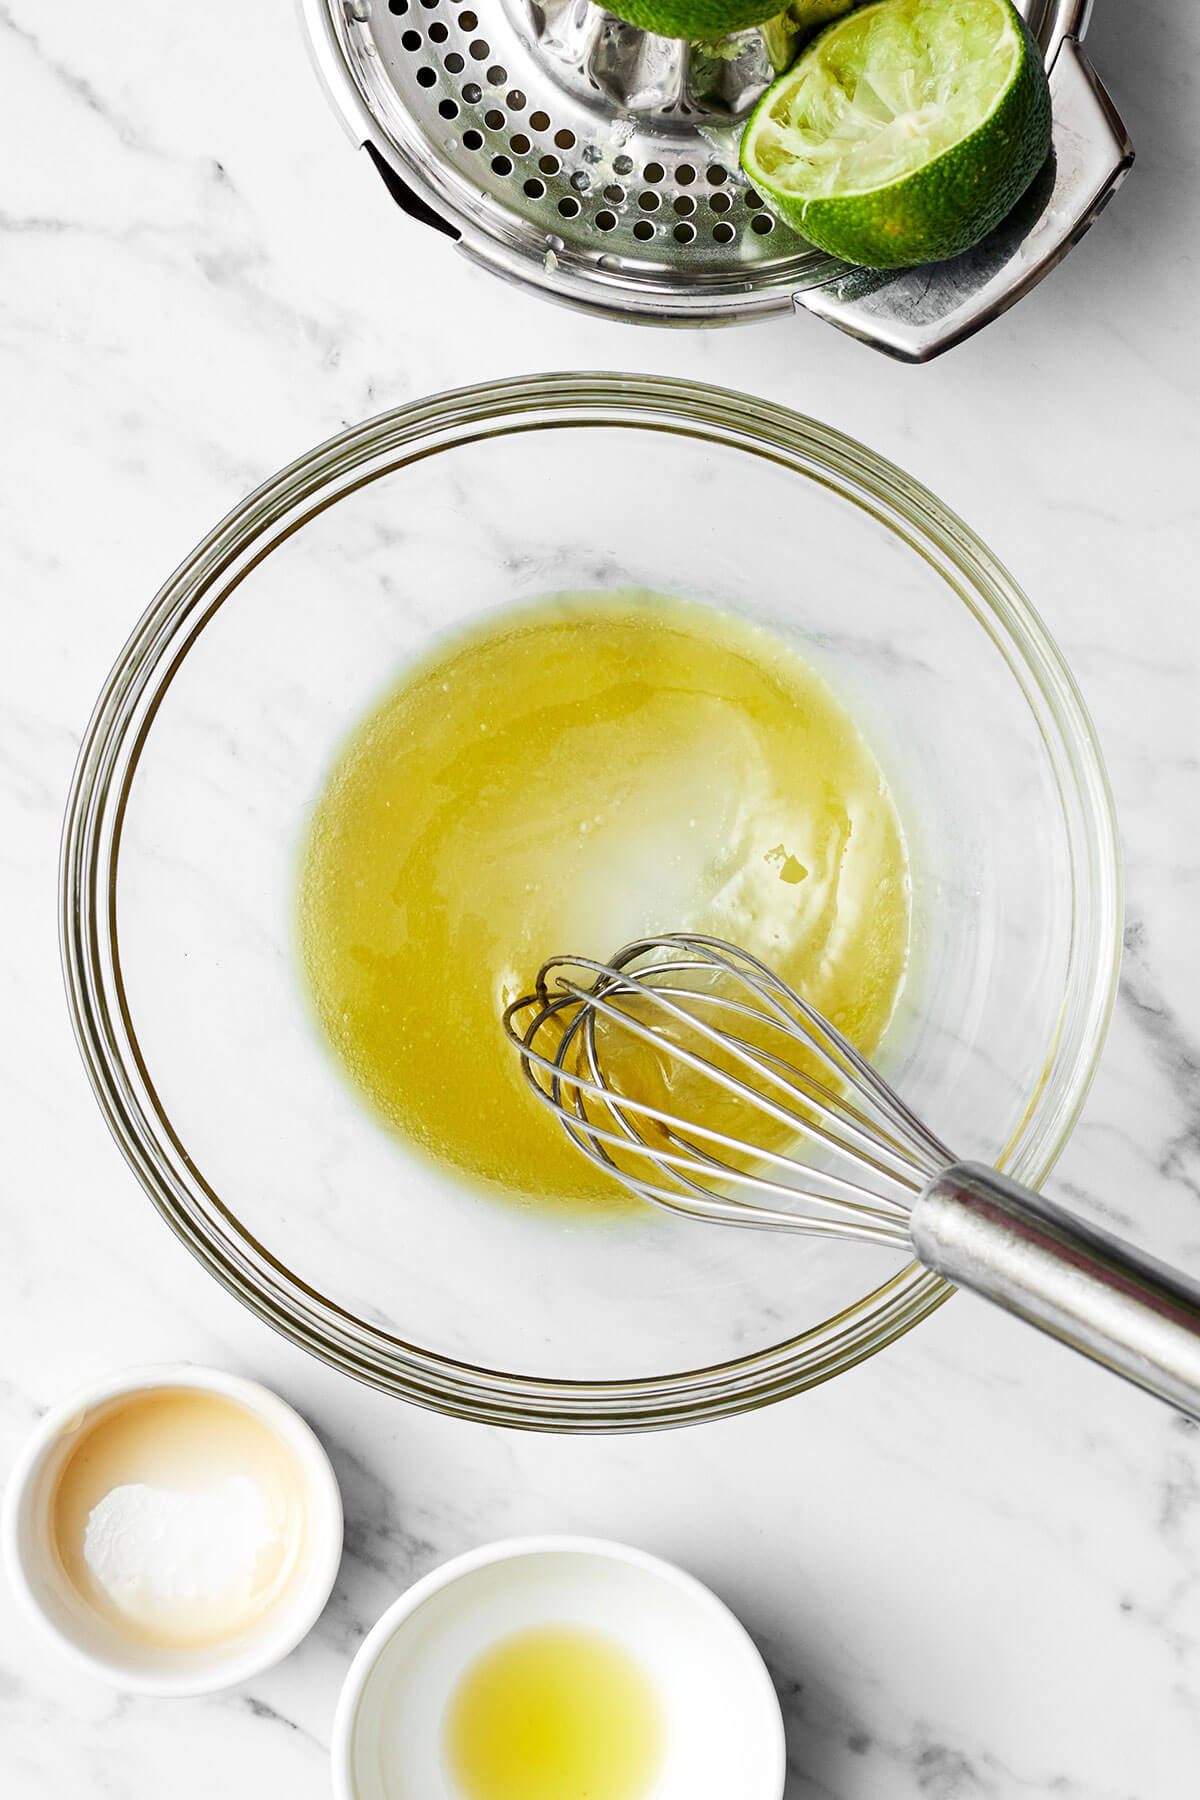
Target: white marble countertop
{"x": 199, "y": 281}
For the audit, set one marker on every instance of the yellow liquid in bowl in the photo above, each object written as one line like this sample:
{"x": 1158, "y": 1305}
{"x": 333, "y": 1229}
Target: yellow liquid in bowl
{"x": 554, "y": 1713}
{"x": 567, "y": 778}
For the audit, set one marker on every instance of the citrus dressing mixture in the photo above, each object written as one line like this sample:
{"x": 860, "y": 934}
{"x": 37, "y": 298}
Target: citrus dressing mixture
{"x": 566, "y": 778}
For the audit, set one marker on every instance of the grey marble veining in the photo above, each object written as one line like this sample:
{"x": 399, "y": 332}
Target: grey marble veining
{"x": 973, "y": 1564}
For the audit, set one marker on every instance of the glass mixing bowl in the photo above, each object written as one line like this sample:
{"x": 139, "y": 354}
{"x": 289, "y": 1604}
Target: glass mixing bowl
{"x": 215, "y": 734}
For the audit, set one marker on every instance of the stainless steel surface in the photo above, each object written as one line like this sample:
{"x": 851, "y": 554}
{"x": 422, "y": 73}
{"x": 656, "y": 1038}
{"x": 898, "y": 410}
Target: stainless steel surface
{"x": 663, "y": 81}
{"x": 1083, "y": 1286}
{"x": 573, "y": 153}
{"x": 496, "y": 130}
{"x": 786, "y": 1127}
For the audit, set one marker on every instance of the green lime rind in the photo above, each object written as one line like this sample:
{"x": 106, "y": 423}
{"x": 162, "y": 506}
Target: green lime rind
{"x": 807, "y": 17}
{"x": 949, "y": 197}
{"x": 712, "y": 21}
{"x": 700, "y": 21}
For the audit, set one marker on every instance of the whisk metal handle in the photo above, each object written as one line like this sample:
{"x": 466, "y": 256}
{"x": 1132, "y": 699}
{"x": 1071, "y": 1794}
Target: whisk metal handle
{"x": 1083, "y": 1286}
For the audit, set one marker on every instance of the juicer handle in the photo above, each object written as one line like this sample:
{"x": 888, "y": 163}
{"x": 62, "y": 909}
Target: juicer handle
{"x": 1086, "y": 1288}
{"x": 407, "y": 199}
{"x": 915, "y": 314}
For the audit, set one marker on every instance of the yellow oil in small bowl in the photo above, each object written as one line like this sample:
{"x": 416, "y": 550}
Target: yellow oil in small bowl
{"x": 554, "y": 1713}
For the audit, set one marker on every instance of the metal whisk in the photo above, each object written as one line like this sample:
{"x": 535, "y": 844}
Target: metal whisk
{"x": 701, "y": 1081}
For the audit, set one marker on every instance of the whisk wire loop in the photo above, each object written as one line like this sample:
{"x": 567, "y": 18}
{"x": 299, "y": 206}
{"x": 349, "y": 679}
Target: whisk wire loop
{"x": 593, "y": 1086}
{"x": 762, "y": 1061}
{"x": 855, "y": 1218}
{"x": 812, "y": 1092}
{"x": 567, "y": 1031}
{"x": 839, "y": 1054}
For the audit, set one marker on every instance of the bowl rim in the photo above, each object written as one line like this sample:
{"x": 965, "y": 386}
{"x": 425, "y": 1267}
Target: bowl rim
{"x": 120, "y": 724}
{"x": 403, "y": 1608}
{"x": 297, "y": 1616}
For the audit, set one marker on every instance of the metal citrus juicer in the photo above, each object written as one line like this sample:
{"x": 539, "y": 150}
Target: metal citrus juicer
{"x": 598, "y": 164}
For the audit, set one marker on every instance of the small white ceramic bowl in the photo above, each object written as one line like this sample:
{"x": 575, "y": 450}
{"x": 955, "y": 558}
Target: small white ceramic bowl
{"x": 723, "y": 1731}
{"x": 39, "y": 1580}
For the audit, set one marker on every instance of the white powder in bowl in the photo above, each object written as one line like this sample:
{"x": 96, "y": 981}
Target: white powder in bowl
{"x": 179, "y": 1517}
{"x": 148, "y": 1544}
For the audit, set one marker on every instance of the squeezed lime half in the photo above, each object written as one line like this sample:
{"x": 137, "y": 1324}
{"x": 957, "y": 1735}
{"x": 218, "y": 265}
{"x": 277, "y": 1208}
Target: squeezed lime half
{"x": 905, "y": 132}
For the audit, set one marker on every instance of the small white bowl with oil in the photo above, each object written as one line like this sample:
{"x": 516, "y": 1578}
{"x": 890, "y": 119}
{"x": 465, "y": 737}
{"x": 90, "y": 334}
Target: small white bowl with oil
{"x": 546, "y": 1666}
{"x": 176, "y": 1529}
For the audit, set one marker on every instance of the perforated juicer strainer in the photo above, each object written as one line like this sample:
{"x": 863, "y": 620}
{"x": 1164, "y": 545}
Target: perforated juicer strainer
{"x": 571, "y": 152}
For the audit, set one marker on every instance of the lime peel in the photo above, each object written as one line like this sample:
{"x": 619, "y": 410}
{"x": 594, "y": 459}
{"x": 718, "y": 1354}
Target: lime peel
{"x": 699, "y": 21}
